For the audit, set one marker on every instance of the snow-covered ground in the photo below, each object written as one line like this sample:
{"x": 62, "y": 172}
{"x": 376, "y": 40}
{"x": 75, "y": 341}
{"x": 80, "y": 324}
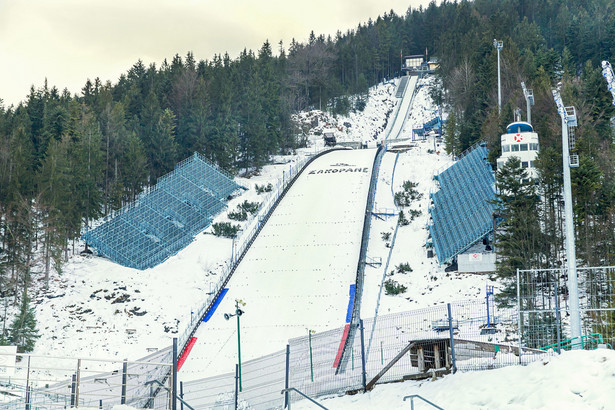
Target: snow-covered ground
{"x": 575, "y": 380}
{"x": 96, "y": 308}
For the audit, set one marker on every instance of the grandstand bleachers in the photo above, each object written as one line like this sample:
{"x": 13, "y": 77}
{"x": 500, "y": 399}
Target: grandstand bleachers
{"x": 462, "y": 211}
{"x": 165, "y": 219}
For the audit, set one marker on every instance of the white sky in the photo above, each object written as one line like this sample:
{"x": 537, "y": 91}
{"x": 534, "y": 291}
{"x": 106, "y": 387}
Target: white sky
{"x": 68, "y": 41}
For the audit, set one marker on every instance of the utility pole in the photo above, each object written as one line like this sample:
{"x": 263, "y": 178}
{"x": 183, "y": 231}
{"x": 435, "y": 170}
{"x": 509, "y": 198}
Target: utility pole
{"x": 569, "y": 120}
{"x": 499, "y": 45}
{"x": 529, "y": 101}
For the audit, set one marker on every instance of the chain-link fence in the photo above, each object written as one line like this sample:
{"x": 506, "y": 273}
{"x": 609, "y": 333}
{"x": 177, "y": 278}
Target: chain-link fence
{"x": 544, "y": 311}
{"x": 45, "y": 382}
{"x": 472, "y": 337}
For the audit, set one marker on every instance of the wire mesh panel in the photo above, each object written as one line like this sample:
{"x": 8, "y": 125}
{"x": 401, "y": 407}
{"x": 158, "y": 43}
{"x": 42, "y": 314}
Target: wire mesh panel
{"x": 58, "y": 382}
{"x": 216, "y": 392}
{"x": 262, "y": 382}
{"x": 543, "y": 307}
{"x": 164, "y": 219}
{"x": 312, "y": 365}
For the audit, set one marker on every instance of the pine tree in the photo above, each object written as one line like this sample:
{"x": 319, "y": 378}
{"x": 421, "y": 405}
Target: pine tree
{"x": 519, "y": 241}
{"x": 451, "y": 139}
{"x": 23, "y": 330}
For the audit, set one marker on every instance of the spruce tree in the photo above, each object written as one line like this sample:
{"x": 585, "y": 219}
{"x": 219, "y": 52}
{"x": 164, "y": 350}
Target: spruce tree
{"x": 519, "y": 238}
{"x": 23, "y": 330}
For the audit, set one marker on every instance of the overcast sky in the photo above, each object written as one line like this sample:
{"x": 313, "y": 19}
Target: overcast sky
{"x": 68, "y": 41}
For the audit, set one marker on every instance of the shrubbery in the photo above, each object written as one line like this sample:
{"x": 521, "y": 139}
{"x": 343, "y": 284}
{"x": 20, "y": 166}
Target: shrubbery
{"x": 392, "y": 287}
{"x": 225, "y": 229}
{"x": 263, "y": 188}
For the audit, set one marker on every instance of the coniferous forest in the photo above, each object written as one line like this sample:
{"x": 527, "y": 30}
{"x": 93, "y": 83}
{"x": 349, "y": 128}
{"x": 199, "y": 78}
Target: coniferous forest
{"x": 66, "y": 160}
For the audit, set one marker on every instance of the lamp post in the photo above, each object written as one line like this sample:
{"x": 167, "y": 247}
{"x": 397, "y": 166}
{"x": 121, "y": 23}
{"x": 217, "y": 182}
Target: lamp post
{"x": 569, "y": 120}
{"x": 310, "y": 331}
{"x": 227, "y": 316}
{"x": 499, "y": 45}
{"x": 529, "y": 100}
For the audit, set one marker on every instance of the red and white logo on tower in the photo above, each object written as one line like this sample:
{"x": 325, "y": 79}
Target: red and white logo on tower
{"x": 518, "y": 138}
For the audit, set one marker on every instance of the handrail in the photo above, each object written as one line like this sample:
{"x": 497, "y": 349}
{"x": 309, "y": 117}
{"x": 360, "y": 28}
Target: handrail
{"x": 584, "y": 340}
{"x": 411, "y": 397}
{"x": 304, "y": 395}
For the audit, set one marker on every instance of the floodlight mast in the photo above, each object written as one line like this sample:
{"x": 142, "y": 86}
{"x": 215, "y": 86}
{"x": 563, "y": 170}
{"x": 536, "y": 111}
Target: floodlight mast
{"x": 569, "y": 119}
{"x": 529, "y": 101}
{"x": 499, "y": 45}
{"x": 607, "y": 72}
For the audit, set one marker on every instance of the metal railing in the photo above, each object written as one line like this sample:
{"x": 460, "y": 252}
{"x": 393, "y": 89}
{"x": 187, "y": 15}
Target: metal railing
{"x": 416, "y": 396}
{"x": 304, "y": 395}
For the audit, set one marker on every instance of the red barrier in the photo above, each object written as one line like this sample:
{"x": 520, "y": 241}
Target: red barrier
{"x": 341, "y": 348}
{"x": 184, "y": 356}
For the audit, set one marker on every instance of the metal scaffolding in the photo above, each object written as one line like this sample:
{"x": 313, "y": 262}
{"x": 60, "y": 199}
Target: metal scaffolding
{"x": 164, "y": 219}
{"x": 462, "y": 210}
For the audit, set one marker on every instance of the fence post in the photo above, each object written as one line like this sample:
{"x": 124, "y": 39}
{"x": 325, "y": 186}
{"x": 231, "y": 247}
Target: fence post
{"x": 78, "y": 382}
{"x": 73, "y": 386}
{"x": 450, "y": 331}
{"x": 236, "y": 384}
{"x": 557, "y": 317}
{"x": 519, "y": 312}
{"x": 363, "y": 372}
{"x": 286, "y": 384}
{"x": 124, "y": 380}
{"x": 28, "y": 397}
{"x": 181, "y": 394}
{"x": 174, "y": 381}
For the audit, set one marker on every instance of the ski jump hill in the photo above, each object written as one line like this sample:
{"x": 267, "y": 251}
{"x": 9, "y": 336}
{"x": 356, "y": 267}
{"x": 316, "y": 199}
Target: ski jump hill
{"x": 300, "y": 272}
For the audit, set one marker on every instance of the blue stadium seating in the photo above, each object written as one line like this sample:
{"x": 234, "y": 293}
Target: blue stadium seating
{"x": 462, "y": 211}
{"x": 164, "y": 219}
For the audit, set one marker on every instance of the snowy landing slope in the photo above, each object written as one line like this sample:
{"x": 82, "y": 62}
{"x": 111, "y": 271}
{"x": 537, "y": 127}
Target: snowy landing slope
{"x": 298, "y": 272}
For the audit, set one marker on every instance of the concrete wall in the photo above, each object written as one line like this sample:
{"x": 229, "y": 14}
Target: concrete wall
{"x": 476, "y": 262}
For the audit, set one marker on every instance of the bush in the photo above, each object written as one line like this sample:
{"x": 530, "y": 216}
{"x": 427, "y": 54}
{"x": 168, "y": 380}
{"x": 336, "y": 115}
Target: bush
{"x": 403, "y": 221}
{"x": 238, "y": 215}
{"x": 392, "y": 287}
{"x": 262, "y": 188}
{"x": 408, "y": 195}
{"x": 402, "y": 199}
{"x": 225, "y": 229}
{"x": 409, "y": 189}
{"x": 386, "y": 236}
{"x": 250, "y": 207}
{"x": 413, "y": 214}
{"x": 403, "y": 268}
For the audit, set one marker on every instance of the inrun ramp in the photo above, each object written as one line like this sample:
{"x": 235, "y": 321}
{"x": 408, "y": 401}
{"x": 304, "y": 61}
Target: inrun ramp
{"x": 164, "y": 219}
{"x": 462, "y": 210}
{"x": 403, "y": 108}
{"x": 298, "y": 272}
